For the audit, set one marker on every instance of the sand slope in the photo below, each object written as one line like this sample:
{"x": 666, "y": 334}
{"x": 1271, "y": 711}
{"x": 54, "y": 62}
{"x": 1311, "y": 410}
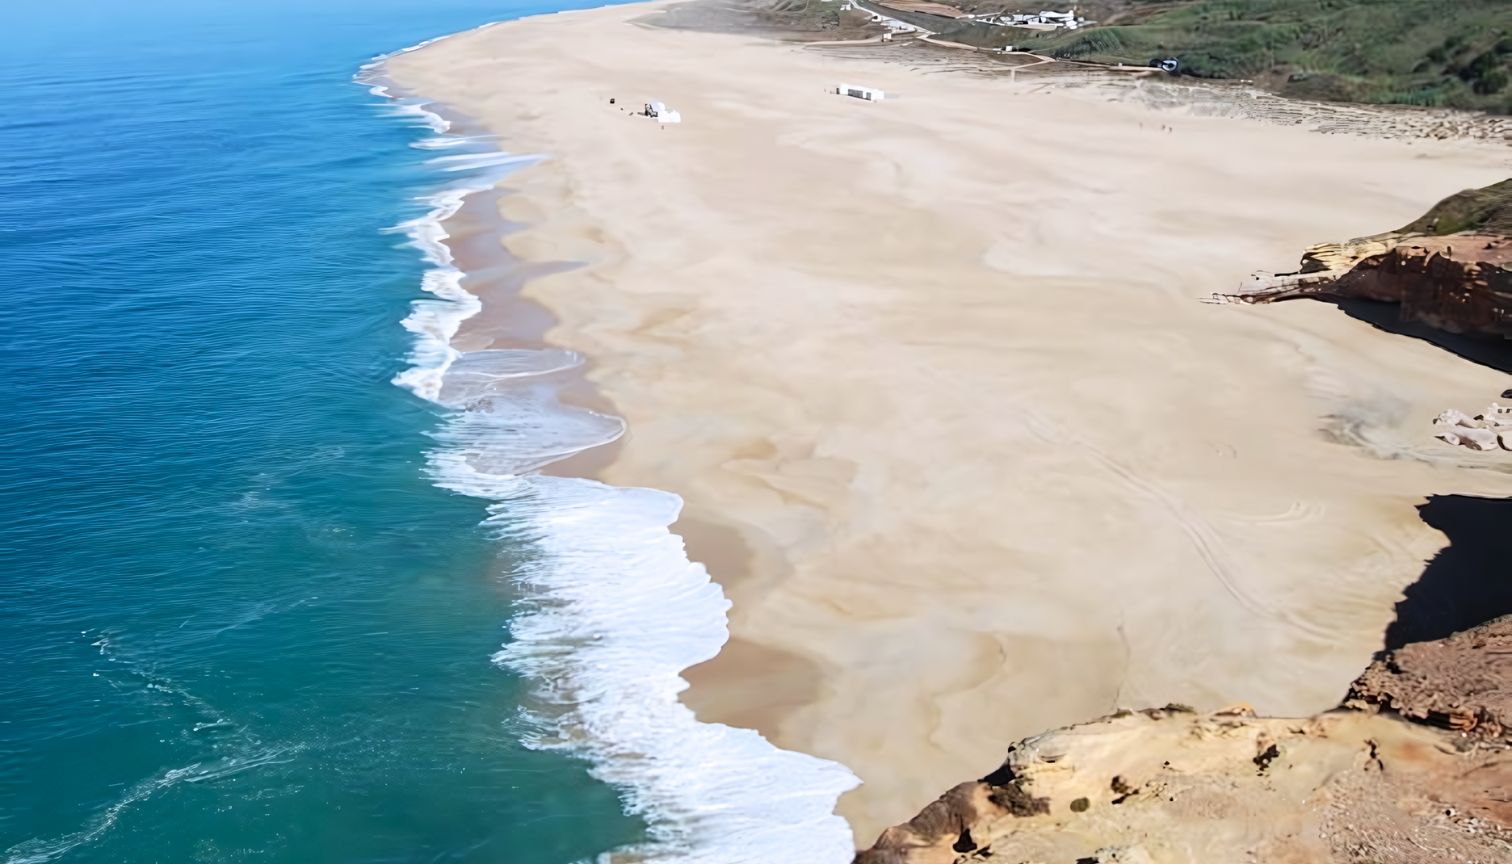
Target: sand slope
{"x": 931, "y": 374}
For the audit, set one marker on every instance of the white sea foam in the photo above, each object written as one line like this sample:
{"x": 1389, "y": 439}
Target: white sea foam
{"x": 435, "y": 321}
{"x": 407, "y": 108}
{"x": 445, "y": 142}
{"x": 510, "y": 432}
{"x": 612, "y": 609}
{"x": 476, "y": 162}
{"x": 482, "y": 373}
{"x": 614, "y": 612}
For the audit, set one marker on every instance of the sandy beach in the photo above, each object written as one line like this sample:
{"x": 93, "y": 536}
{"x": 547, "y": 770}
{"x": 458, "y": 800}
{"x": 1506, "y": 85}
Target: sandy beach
{"x": 952, "y": 427}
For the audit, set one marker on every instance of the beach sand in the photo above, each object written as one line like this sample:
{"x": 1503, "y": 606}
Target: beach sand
{"x": 954, "y": 432}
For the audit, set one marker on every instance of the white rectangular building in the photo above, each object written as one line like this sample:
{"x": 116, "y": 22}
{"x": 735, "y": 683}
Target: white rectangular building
{"x": 870, "y": 94}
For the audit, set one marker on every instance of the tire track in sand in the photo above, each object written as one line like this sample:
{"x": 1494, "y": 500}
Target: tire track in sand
{"x": 1204, "y": 539}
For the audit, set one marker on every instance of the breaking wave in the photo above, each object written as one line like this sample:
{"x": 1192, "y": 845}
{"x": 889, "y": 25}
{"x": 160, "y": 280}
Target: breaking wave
{"x": 611, "y": 609}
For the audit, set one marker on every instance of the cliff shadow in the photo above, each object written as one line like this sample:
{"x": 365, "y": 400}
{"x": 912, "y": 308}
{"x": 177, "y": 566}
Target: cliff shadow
{"x": 1488, "y": 351}
{"x": 1469, "y": 581}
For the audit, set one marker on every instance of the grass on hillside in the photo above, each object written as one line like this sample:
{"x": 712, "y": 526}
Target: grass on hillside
{"x": 1488, "y": 210}
{"x": 816, "y": 14}
{"x": 1453, "y": 53}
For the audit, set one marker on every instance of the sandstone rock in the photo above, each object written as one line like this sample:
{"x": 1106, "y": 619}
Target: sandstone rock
{"x": 1489, "y": 430}
{"x": 1460, "y": 284}
{"x": 1413, "y": 769}
{"x": 1496, "y": 415}
{"x": 1454, "y": 417}
{"x": 1122, "y": 855}
{"x": 1477, "y": 439}
{"x": 1451, "y": 270}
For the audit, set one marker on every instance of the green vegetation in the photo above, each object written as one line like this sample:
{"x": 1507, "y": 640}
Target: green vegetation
{"x": 1487, "y": 210}
{"x": 1415, "y": 52}
{"x": 802, "y": 16}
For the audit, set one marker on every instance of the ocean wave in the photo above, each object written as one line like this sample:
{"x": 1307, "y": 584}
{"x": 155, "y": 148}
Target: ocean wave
{"x": 435, "y": 321}
{"x": 611, "y": 610}
{"x": 475, "y": 372}
{"x": 418, "y": 110}
{"x": 445, "y": 142}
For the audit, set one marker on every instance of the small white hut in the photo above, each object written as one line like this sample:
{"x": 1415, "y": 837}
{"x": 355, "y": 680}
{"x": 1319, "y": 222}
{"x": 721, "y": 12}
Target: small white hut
{"x": 870, "y": 94}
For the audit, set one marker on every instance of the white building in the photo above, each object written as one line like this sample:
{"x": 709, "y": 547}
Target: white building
{"x": 870, "y": 94}
{"x": 1045, "y": 19}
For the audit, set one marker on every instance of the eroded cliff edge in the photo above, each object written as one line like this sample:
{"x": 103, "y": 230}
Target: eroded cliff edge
{"x": 1414, "y": 766}
{"x": 1450, "y": 269}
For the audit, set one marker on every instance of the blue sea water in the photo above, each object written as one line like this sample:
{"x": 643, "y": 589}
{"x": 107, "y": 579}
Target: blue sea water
{"x": 259, "y": 604}
{"x": 238, "y": 622}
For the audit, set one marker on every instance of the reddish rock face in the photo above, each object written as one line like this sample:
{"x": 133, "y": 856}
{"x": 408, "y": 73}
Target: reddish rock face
{"x": 1450, "y": 269}
{"x": 1462, "y": 683}
{"x": 1461, "y": 283}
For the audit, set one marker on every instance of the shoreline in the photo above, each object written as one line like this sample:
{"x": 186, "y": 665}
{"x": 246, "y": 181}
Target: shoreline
{"x": 600, "y": 690}
{"x": 749, "y": 559}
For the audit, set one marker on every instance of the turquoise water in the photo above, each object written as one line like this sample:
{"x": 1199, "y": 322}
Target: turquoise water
{"x": 238, "y": 622}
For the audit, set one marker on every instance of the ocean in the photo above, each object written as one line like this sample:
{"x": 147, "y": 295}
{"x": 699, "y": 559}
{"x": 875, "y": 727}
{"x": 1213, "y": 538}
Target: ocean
{"x": 278, "y": 584}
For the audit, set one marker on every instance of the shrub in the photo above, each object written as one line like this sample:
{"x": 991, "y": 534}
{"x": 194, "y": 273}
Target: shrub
{"x": 1492, "y": 82}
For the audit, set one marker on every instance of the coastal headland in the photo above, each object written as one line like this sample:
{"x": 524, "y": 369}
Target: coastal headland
{"x": 953, "y": 431}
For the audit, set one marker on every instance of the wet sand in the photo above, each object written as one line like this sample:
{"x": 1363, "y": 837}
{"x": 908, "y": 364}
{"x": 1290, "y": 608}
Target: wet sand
{"x": 952, "y": 428}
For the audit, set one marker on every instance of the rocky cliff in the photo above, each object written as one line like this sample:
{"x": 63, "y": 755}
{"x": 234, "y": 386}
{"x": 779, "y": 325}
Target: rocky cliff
{"x": 1461, "y": 283}
{"x": 1451, "y": 269}
{"x": 1462, "y": 683}
{"x": 1414, "y": 766}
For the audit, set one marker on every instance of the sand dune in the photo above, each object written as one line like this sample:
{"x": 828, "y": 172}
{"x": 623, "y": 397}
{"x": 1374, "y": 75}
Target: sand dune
{"x": 953, "y": 430}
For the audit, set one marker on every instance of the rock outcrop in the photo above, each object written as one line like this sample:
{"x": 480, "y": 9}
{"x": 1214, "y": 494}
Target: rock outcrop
{"x": 1487, "y": 430}
{"x": 1463, "y": 683}
{"x": 1451, "y": 269}
{"x": 1461, "y": 283}
{"x": 1416, "y": 766}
